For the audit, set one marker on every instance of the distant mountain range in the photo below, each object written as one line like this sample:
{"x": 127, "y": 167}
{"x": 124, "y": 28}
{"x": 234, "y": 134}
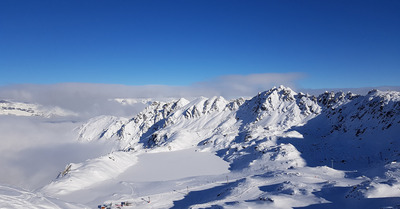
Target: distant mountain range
{"x": 28, "y": 109}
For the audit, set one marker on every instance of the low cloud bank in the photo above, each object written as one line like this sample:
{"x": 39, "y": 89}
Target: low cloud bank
{"x": 245, "y": 85}
{"x": 361, "y": 91}
{"x": 96, "y": 99}
{"x": 33, "y": 150}
{"x": 89, "y": 100}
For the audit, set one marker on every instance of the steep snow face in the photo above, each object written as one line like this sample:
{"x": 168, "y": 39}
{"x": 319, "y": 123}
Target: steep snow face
{"x": 129, "y": 131}
{"x": 278, "y": 108}
{"x": 204, "y": 106}
{"x": 26, "y": 109}
{"x": 90, "y": 131}
{"x": 355, "y": 133}
{"x": 333, "y": 100}
{"x": 187, "y": 126}
{"x": 375, "y": 111}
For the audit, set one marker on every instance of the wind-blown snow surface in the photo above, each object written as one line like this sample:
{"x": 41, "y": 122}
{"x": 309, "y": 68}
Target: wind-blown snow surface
{"x": 284, "y": 150}
{"x": 17, "y": 198}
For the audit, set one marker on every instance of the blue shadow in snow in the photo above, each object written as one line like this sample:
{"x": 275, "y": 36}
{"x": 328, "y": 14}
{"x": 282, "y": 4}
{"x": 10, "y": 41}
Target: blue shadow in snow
{"x": 208, "y": 195}
{"x": 337, "y": 198}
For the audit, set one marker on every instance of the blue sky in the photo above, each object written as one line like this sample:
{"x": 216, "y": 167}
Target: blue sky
{"x": 332, "y": 44}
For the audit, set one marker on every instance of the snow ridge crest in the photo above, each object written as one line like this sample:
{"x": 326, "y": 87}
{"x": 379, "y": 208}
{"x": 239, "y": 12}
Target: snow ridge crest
{"x": 279, "y": 108}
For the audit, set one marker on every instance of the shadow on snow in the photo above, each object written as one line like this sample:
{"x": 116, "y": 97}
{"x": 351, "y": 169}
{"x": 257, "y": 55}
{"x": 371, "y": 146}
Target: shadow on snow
{"x": 207, "y": 195}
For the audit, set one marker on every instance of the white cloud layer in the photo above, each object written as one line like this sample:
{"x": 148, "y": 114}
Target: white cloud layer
{"x": 90, "y": 100}
{"x": 34, "y": 150}
{"x": 94, "y": 99}
{"x": 246, "y": 85}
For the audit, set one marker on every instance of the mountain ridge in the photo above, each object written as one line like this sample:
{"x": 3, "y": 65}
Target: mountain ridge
{"x": 276, "y": 133}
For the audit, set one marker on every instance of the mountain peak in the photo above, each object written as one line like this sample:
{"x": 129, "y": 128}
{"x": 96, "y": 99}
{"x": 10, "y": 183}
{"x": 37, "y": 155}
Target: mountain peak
{"x": 282, "y": 89}
{"x": 275, "y": 95}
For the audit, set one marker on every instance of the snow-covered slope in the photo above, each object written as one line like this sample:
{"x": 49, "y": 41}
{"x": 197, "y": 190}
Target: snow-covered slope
{"x": 26, "y": 109}
{"x": 279, "y": 145}
{"x": 11, "y": 197}
{"x": 354, "y": 131}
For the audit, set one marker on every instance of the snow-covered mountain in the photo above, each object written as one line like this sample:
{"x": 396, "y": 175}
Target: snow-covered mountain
{"x": 133, "y": 101}
{"x": 27, "y": 109}
{"x": 284, "y": 150}
{"x": 276, "y": 133}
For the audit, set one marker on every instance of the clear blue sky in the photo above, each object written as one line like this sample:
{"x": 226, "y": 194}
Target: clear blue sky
{"x": 336, "y": 43}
